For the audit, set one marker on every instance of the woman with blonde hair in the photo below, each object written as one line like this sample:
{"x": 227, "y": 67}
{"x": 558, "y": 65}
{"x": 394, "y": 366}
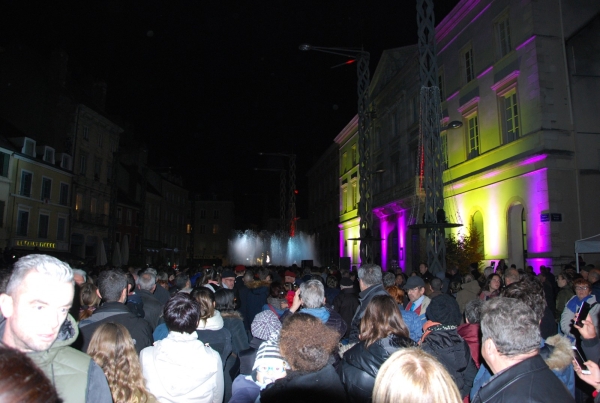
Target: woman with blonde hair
{"x": 411, "y": 375}
{"x": 111, "y": 347}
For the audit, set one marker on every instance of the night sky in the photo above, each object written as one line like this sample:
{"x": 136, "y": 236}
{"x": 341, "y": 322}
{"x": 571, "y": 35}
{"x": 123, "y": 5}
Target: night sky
{"x": 207, "y": 85}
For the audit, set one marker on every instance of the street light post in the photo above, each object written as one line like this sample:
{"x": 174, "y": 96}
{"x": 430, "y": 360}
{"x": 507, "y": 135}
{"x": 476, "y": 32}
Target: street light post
{"x": 365, "y": 206}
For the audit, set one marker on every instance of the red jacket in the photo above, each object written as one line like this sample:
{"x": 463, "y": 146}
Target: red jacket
{"x": 470, "y": 332}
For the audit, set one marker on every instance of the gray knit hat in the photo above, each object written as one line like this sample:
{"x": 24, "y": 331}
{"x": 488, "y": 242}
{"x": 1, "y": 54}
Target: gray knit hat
{"x": 264, "y": 324}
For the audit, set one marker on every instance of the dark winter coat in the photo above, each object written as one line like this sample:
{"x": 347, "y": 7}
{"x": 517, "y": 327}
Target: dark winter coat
{"x": 454, "y": 353}
{"x": 300, "y": 387}
{"x": 233, "y": 322}
{"x": 346, "y": 303}
{"x": 365, "y": 297}
{"x": 252, "y": 299}
{"x": 528, "y": 381}
{"x": 116, "y": 312}
{"x": 361, "y": 365}
{"x": 152, "y": 307}
{"x": 248, "y": 356}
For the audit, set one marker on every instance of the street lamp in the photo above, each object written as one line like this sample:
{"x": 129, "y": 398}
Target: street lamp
{"x": 365, "y": 206}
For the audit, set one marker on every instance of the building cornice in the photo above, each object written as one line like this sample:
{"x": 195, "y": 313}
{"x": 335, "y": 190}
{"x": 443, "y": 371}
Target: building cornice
{"x": 347, "y": 131}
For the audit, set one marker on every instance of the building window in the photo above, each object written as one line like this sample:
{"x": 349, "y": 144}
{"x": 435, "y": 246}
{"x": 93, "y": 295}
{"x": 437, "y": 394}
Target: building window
{"x": 22, "y": 222}
{"x": 344, "y": 163}
{"x": 188, "y": 229}
{"x": 354, "y": 195}
{"x": 510, "y": 117}
{"x": 117, "y": 237}
{"x": 93, "y": 205}
{"x": 64, "y": 194}
{"x": 97, "y": 168}
{"x": 216, "y": 214}
{"x": 4, "y": 159}
{"x": 467, "y": 64}
{"x": 86, "y": 133}
{"x": 473, "y": 135}
{"x": 354, "y": 155}
{"x": 129, "y": 217}
{"x": 202, "y": 213}
{"x": 29, "y": 147}
{"x": 49, "y": 155}
{"x": 119, "y": 215}
{"x": 108, "y": 172}
{"x": 503, "y": 37}
{"x": 46, "y": 189}
{"x": 83, "y": 164}
{"x": 65, "y": 161}
{"x": 78, "y": 201}
{"x": 106, "y": 208}
{"x": 43, "y": 226}
{"x": 100, "y": 140}
{"x": 215, "y": 229}
{"x": 26, "y": 179}
{"x": 61, "y": 225}
{"x": 201, "y": 230}
{"x": 444, "y": 147}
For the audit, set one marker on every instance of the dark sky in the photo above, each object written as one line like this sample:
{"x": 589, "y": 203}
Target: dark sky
{"x": 210, "y": 84}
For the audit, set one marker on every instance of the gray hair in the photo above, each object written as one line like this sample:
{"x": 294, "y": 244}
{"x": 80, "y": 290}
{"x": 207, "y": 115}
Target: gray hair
{"x": 146, "y": 281}
{"x": 370, "y": 274}
{"x": 511, "y": 325}
{"x": 513, "y": 275}
{"x": 43, "y": 264}
{"x": 389, "y": 279}
{"x": 150, "y": 270}
{"x": 162, "y": 276}
{"x": 473, "y": 310}
{"x": 488, "y": 270}
{"x": 312, "y": 293}
{"x": 82, "y": 273}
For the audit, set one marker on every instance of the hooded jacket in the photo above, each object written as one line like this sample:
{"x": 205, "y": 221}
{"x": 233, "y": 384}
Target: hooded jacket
{"x": 182, "y": 369}
{"x": 76, "y": 377}
{"x": 361, "y": 365}
{"x": 213, "y": 333}
{"x": 468, "y": 292}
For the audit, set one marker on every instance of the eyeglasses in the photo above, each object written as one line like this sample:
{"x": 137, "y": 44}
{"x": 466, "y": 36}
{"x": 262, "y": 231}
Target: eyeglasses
{"x": 582, "y": 288}
{"x": 276, "y": 369}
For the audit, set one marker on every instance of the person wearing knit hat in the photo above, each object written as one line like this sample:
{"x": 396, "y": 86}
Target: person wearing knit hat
{"x": 265, "y": 325}
{"x": 290, "y": 276}
{"x": 441, "y": 339}
{"x": 268, "y": 367}
{"x": 228, "y": 279}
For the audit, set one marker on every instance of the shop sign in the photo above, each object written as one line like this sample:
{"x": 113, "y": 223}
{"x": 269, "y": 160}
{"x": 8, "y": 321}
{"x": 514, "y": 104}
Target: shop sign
{"x": 36, "y": 244}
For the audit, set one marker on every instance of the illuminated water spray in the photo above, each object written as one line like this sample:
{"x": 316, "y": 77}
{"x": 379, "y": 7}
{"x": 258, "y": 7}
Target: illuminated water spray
{"x": 252, "y": 249}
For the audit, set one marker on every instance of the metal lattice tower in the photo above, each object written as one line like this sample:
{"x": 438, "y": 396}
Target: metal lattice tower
{"x": 282, "y": 190}
{"x": 430, "y": 118}
{"x": 292, "y": 211}
{"x": 365, "y": 204}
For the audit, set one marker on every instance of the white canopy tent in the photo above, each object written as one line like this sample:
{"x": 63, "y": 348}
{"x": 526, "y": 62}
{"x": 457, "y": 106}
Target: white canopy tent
{"x": 587, "y": 245}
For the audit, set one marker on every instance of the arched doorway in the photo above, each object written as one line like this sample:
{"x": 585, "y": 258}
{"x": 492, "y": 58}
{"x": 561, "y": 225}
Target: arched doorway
{"x": 517, "y": 235}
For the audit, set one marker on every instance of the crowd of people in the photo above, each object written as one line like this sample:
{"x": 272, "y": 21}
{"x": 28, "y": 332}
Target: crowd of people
{"x": 288, "y": 334}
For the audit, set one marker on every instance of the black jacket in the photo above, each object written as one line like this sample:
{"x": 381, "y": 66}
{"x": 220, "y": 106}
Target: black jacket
{"x": 346, "y": 303}
{"x": 365, "y": 297}
{"x": 445, "y": 344}
{"x": 528, "y": 381}
{"x": 152, "y": 307}
{"x": 361, "y": 365}
{"x": 297, "y": 387}
{"x": 116, "y": 312}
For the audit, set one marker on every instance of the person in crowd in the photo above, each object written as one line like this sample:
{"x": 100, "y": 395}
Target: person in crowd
{"x": 111, "y": 347}
{"x": 79, "y": 276}
{"x": 469, "y": 291}
{"x": 469, "y": 330}
{"x": 485, "y": 275}
{"x": 491, "y": 287}
{"x": 228, "y": 279}
{"x": 134, "y": 302}
{"x": 180, "y": 367}
{"x": 332, "y": 289}
{"x": 210, "y": 329}
{"x": 89, "y": 300}
{"x": 264, "y": 326}
{"x": 211, "y": 279}
{"x": 400, "y": 280}
{"x": 346, "y": 303}
{"x": 232, "y": 321}
{"x": 452, "y": 274}
{"x": 584, "y": 271}
{"x": 383, "y": 332}
{"x": 413, "y": 321}
{"x": 306, "y": 344}
{"x": 311, "y": 297}
{"x": 555, "y": 351}
{"x": 370, "y": 284}
{"x": 276, "y": 302}
{"x": 583, "y": 293}
{"x": 436, "y": 288}
{"x": 146, "y": 286}
{"x": 112, "y": 288}
{"x": 268, "y": 367}
{"x": 415, "y": 288}
{"x": 411, "y": 375}
{"x": 511, "y": 276}
{"x": 183, "y": 283}
{"x": 594, "y": 279}
{"x": 425, "y": 274}
{"x": 256, "y": 296}
{"x": 161, "y": 291}
{"x": 35, "y": 307}
{"x": 239, "y": 270}
{"x": 21, "y": 381}
{"x": 565, "y": 293}
{"x": 442, "y": 340}
{"x": 548, "y": 290}
{"x": 511, "y": 348}
{"x": 389, "y": 279}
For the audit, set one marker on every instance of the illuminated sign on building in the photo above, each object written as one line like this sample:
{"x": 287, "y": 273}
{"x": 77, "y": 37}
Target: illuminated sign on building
{"x": 36, "y": 244}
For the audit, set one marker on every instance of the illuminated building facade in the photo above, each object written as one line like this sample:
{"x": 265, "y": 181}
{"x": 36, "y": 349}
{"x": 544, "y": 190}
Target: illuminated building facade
{"x": 323, "y": 205}
{"x": 348, "y": 196}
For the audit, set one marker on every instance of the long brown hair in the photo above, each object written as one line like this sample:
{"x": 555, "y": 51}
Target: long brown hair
{"x": 111, "y": 347}
{"x": 89, "y": 300}
{"x": 382, "y": 318}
